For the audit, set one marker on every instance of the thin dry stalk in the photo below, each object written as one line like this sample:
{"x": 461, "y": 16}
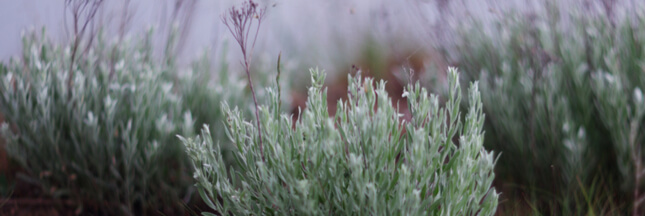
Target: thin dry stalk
{"x": 638, "y": 170}
{"x": 239, "y": 22}
{"x": 126, "y": 18}
{"x": 277, "y": 81}
{"x": 184, "y": 11}
{"x": 83, "y": 13}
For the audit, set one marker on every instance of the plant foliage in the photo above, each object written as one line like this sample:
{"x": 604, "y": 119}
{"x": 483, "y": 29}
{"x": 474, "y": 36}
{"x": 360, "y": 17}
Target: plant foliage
{"x": 364, "y": 161}
{"x": 564, "y": 106}
{"x": 107, "y": 141}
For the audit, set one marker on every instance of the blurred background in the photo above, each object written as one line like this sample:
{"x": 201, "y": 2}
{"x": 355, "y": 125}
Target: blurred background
{"x": 329, "y": 32}
{"x": 561, "y": 81}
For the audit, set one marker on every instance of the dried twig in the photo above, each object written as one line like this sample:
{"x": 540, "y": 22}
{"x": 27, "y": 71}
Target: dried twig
{"x": 180, "y": 20}
{"x": 239, "y": 22}
{"x": 83, "y": 13}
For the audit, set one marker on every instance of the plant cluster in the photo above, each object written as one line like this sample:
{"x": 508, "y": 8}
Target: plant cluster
{"x": 105, "y": 140}
{"x": 108, "y": 140}
{"x": 564, "y": 106}
{"x": 203, "y": 94}
{"x": 96, "y": 123}
{"x": 364, "y": 161}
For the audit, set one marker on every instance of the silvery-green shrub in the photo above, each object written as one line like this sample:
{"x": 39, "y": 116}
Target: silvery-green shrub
{"x": 206, "y": 85}
{"x": 366, "y": 160}
{"x": 562, "y": 100}
{"x": 107, "y": 141}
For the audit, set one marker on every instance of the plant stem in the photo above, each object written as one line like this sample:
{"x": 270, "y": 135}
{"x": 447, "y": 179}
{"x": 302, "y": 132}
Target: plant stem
{"x": 239, "y": 23}
{"x": 636, "y": 153}
{"x": 257, "y": 115}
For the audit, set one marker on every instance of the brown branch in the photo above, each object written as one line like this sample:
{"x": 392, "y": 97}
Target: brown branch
{"x": 78, "y": 10}
{"x": 239, "y": 23}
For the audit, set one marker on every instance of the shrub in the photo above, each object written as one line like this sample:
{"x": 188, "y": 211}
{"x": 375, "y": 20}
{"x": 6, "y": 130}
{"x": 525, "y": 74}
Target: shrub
{"x": 621, "y": 108}
{"x": 107, "y": 141}
{"x": 365, "y": 160}
{"x": 203, "y": 94}
{"x": 559, "y": 106}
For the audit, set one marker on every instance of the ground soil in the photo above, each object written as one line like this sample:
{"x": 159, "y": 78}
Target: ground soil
{"x": 24, "y": 199}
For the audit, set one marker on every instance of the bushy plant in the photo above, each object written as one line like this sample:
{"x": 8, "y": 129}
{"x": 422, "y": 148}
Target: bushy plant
{"x": 365, "y": 160}
{"x": 620, "y": 104}
{"x": 556, "y": 92}
{"x": 203, "y": 94}
{"x": 106, "y": 140}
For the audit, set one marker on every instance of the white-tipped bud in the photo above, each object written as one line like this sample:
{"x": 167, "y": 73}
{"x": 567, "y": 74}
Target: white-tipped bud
{"x": 638, "y": 96}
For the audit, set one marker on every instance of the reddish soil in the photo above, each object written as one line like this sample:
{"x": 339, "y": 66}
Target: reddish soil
{"x": 36, "y": 207}
{"x": 25, "y": 199}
